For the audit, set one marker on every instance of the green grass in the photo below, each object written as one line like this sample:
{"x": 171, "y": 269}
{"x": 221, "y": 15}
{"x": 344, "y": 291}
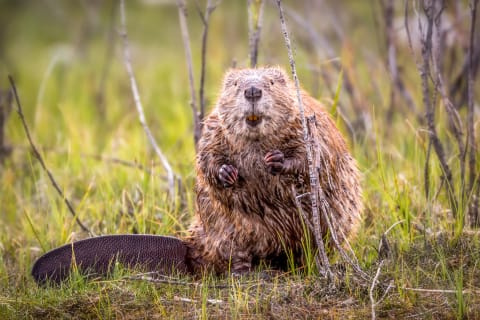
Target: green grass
{"x": 58, "y": 67}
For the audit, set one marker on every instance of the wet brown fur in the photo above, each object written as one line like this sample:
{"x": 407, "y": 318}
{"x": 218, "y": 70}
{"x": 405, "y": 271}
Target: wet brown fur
{"x": 256, "y": 218}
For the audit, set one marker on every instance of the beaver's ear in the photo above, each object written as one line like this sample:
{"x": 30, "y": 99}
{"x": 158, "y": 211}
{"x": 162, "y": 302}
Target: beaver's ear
{"x": 230, "y": 78}
{"x": 279, "y": 75}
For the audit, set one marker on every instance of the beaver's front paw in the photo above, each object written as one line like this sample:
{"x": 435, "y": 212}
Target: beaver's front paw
{"x": 227, "y": 175}
{"x": 274, "y": 160}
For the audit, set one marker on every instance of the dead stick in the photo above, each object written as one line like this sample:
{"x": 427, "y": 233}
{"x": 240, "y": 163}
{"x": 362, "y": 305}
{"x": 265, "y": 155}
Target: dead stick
{"x": 182, "y": 15}
{"x": 455, "y": 122}
{"x": 466, "y": 291}
{"x": 471, "y": 144}
{"x": 201, "y": 90}
{"x": 138, "y": 104}
{"x": 392, "y": 64}
{"x": 323, "y": 264}
{"x": 424, "y": 70}
{"x": 37, "y": 155}
{"x": 254, "y": 30}
{"x": 372, "y": 287}
{"x": 325, "y": 208}
{"x": 300, "y": 209}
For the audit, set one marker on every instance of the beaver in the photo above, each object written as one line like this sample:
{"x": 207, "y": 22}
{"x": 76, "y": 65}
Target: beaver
{"x": 251, "y": 163}
{"x": 250, "y": 154}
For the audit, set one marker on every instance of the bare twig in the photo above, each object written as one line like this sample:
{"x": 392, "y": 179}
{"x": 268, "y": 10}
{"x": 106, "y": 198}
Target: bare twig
{"x": 298, "y": 203}
{"x": 323, "y": 47}
{"x": 409, "y": 37}
{"x": 319, "y": 201}
{"x": 426, "y": 170}
{"x": 383, "y": 253}
{"x": 466, "y": 291}
{"x": 155, "y": 277}
{"x": 393, "y": 226}
{"x": 397, "y": 82}
{"x": 425, "y": 72}
{"x": 182, "y": 15}
{"x": 459, "y": 86}
{"x": 5, "y": 107}
{"x": 473, "y": 211}
{"x": 255, "y": 19}
{"x": 384, "y": 250}
{"x": 188, "y": 300}
{"x": 455, "y": 122}
{"x": 40, "y": 159}
{"x": 372, "y": 287}
{"x": 323, "y": 264}
{"x": 326, "y": 209}
{"x": 138, "y": 104}
{"x": 201, "y": 91}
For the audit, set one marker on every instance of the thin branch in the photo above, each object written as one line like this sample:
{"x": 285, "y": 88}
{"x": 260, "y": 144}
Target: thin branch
{"x": 182, "y": 15}
{"x": 138, "y": 104}
{"x": 466, "y": 291}
{"x": 254, "y": 28}
{"x": 372, "y": 287}
{"x": 425, "y": 73}
{"x": 325, "y": 209}
{"x": 323, "y": 264}
{"x": 454, "y": 120}
{"x": 323, "y": 47}
{"x": 384, "y": 249}
{"x": 6, "y": 98}
{"x": 393, "y": 226}
{"x": 397, "y": 82}
{"x": 409, "y": 37}
{"x": 37, "y": 155}
{"x": 459, "y": 86}
{"x": 201, "y": 91}
{"x": 426, "y": 170}
{"x": 471, "y": 144}
{"x": 319, "y": 203}
{"x": 298, "y": 204}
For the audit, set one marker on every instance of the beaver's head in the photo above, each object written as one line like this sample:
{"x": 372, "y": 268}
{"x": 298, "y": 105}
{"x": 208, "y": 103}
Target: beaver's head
{"x": 256, "y": 102}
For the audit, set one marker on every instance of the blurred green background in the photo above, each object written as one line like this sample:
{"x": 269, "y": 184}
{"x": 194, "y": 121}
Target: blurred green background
{"x": 67, "y": 62}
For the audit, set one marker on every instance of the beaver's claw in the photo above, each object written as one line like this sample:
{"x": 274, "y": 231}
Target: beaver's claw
{"x": 274, "y": 160}
{"x": 227, "y": 175}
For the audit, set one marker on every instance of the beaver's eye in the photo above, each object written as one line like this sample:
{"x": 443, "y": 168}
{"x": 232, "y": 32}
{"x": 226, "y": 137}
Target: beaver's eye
{"x": 272, "y": 82}
{"x": 235, "y": 83}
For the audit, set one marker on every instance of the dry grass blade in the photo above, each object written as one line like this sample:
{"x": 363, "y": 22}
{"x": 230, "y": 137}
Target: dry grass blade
{"x": 138, "y": 104}
{"x": 37, "y": 155}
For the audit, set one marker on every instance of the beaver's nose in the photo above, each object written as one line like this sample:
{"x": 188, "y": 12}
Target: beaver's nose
{"x": 253, "y": 94}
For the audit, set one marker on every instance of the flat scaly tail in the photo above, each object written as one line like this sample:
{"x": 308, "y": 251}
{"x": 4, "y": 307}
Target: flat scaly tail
{"x": 97, "y": 257}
